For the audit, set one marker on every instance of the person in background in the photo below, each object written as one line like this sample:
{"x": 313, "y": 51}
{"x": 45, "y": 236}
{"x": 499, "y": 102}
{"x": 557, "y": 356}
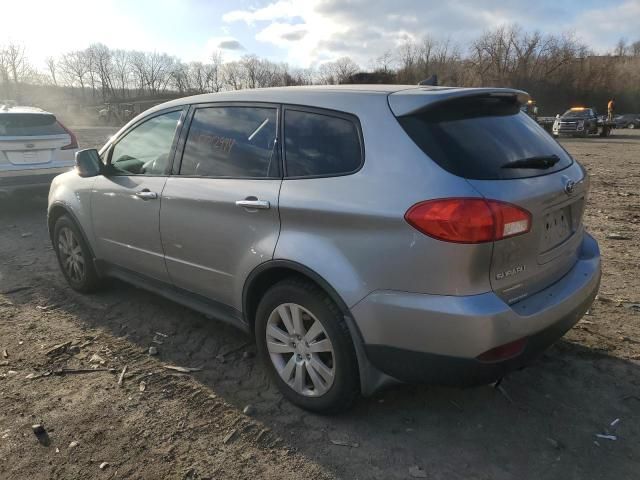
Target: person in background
{"x": 611, "y": 106}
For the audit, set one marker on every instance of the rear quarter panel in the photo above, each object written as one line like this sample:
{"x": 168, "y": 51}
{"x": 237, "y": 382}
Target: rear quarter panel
{"x": 351, "y": 229}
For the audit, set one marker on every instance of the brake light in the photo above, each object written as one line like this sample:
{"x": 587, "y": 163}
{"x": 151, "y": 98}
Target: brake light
{"x": 468, "y": 220}
{"x": 74, "y": 140}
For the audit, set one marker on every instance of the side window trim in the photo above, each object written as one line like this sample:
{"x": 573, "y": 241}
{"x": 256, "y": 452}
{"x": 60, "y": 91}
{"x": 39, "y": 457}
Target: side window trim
{"x": 277, "y": 150}
{"x": 174, "y": 143}
{"x": 328, "y": 113}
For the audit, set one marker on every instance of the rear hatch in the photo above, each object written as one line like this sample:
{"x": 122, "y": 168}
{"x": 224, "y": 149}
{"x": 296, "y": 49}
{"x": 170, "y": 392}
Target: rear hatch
{"x": 31, "y": 139}
{"x": 507, "y": 156}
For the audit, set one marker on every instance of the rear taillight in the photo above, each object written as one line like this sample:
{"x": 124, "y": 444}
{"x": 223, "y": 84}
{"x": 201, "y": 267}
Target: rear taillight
{"x": 74, "y": 140}
{"x": 468, "y": 220}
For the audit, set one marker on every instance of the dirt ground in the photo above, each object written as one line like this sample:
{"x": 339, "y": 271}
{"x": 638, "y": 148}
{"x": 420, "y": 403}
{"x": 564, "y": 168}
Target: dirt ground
{"x": 163, "y": 424}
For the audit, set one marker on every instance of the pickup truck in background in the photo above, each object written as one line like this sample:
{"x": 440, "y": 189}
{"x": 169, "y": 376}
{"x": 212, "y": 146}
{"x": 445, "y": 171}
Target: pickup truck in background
{"x": 582, "y": 122}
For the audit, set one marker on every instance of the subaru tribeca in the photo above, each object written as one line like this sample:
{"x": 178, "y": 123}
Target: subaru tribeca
{"x": 362, "y": 234}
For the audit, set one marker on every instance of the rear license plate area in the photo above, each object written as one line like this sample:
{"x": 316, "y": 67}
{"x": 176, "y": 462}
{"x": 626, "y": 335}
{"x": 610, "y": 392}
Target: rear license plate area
{"x": 556, "y": 228}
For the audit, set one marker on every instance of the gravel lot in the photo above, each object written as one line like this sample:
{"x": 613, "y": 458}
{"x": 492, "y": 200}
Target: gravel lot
{"x": 163, "y": 424}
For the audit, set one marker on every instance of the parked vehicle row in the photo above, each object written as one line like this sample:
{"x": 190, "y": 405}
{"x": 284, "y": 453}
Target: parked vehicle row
{"x": 363, "y": 234}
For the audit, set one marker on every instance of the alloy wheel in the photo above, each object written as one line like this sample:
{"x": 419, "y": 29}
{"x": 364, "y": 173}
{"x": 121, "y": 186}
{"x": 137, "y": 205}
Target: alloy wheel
{"x": 300, "y": 350}
{"x": 71, "y": 257}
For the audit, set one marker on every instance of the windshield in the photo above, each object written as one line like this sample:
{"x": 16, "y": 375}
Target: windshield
{"x": 475, "y": 138}
{"x": 578, "y": 113}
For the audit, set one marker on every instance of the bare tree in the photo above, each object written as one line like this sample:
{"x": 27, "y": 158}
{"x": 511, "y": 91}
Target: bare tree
{"x": 337, "y": 72}
{"x": 101, "y": 68}
{"x": 621, "y": 48}
{"x": 52, "y": 67}
{"x": 122, "y": 71}
{"x": 75, "y": 68}
{"x": 17, "y": 63}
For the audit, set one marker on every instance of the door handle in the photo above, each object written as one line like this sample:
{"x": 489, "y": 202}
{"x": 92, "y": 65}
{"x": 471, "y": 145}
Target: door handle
{"x": 252, "y": 203}
{"x": 146, "y": 194}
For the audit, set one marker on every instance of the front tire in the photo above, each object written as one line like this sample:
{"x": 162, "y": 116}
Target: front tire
{"x": 74, "y": 256}
{"x": 305, "y": 343}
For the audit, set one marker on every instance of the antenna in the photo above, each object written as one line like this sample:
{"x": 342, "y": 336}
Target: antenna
{"x": 432, "y": 81}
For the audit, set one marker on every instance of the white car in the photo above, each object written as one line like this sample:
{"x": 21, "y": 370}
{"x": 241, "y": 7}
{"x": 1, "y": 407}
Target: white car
{"x": 34, "y": 148}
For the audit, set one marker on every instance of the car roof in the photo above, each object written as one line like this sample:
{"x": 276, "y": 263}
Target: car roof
{"x": 405, "y": 97}
{"x": 23, "y": 109}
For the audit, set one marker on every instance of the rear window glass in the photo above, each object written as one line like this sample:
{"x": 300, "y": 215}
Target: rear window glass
{"x": 29, "y": 124}
{"x": 476, "y": 138}
{"x": 320, "y": 145}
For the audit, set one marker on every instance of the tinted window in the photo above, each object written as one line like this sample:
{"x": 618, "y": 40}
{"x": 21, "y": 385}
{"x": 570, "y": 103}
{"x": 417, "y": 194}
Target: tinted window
{"x": 145, "y": 150}
{"x": 317, "y": 144}
{"x": 475, "y": 138}
{"x": 231, "y": 142}
{"x": 29, "y": 124}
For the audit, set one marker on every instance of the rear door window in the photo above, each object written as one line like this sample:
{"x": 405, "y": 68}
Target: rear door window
{"x": 320, "y": 145}
{"x": 232, "y": 141}
{"x": 477, "y": 138}
{"x": 29, "y": 125}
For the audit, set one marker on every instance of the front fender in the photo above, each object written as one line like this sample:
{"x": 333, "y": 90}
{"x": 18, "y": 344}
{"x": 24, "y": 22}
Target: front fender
{"x": 71, "y": 194}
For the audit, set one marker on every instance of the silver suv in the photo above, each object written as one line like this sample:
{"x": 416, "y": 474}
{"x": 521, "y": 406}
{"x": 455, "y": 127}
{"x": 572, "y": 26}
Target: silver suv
{"x": 363, "y": 234}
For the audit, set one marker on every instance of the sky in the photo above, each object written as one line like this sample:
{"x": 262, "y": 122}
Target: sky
{"x": 302, "y": 33}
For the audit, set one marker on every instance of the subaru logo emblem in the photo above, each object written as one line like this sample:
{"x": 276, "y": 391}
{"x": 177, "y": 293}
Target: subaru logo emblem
{"x": 569, "y": 187}
{"x": 29, "y": 145}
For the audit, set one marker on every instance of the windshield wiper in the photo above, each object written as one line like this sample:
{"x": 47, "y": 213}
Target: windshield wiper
{"x": 542, "y": 162}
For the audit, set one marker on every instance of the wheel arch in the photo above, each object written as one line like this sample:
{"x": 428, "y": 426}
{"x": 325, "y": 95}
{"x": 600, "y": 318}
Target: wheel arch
{"x": 57, "y": 210}
{"x": 269, "y": 273}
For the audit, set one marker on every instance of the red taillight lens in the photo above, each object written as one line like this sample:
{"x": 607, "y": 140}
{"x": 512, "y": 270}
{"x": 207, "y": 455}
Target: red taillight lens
{"x": 74, "y": 140}
{"x": 503, "y": 352}
{"x": 468, "y": 220}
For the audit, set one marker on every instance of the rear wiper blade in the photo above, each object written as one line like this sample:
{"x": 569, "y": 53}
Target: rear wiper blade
{"x": 542, "y": 162}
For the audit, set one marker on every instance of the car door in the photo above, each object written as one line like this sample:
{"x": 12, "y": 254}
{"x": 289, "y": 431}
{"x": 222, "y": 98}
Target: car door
{"x": 125, "y": 202}
{"x": 219, "y": 216}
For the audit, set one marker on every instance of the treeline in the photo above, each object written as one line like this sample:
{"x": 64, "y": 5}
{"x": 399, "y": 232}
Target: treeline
{"x": 557, "y": 69}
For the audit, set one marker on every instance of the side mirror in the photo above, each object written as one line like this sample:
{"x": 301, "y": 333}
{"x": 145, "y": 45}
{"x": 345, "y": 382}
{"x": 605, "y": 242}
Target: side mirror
{"x": 88, "y": 163}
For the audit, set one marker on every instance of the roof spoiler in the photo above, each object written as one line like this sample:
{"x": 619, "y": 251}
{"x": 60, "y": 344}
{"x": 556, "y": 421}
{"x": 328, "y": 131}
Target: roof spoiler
{"x": 415, "y": 100}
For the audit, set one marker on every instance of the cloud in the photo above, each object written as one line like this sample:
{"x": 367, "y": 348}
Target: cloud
{"x": 293, "y": 36}
{"x": 230, "y": 45}
{"x": 317, "y": 30}
{"x": 610, "y": 23}
{"x": 279, "y": 10}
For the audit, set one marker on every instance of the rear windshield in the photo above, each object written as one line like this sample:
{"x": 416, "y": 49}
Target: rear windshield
{"x": 476, "y": 138}
{"x": 29, "y": 125}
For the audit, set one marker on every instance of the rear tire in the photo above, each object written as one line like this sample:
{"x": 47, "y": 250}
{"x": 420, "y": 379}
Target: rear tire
{"x": 74, "y": 256}
{"x": 305, "y": 343}
{"x": 631, "y": 126}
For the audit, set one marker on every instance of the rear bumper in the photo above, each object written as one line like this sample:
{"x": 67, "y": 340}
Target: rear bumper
{"x": 437, "y": 339}
{"x": 14, "y": 180}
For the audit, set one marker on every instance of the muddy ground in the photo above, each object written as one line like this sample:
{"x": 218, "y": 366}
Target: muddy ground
{"x": 163, "y": 424}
